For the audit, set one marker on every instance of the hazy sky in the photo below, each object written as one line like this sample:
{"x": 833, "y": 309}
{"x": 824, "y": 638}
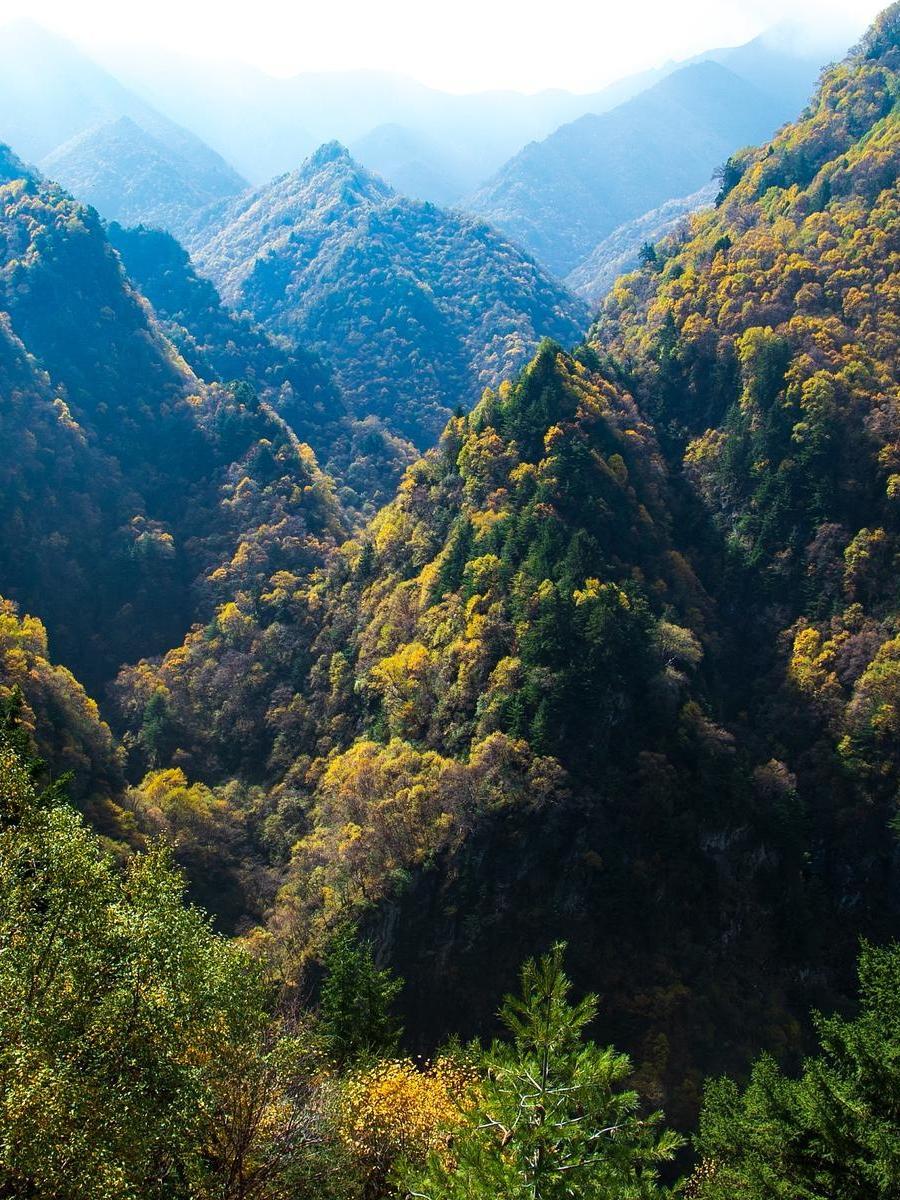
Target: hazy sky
{"x": 461, "y": 45}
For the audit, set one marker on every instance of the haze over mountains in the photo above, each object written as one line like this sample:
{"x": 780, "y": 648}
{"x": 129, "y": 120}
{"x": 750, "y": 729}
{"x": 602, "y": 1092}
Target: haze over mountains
{"x": 266, "y": 126}
{"x": 614, "y": 661}
{"x": 561, "y": 196}
{"x": 119, "y": 145}
{"x": 656, "y": 140}
{"x": 130, "y": 175}
{"x": 50, "y": 93}
{"x": 416, "y": 309}
{"x": 429, "y": 144}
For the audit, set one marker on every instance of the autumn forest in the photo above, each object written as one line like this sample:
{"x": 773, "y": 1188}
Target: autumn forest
{"x": 450, "y": 639}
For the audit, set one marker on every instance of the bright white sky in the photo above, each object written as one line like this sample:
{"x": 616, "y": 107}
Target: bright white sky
{"x": 460, "y": 45}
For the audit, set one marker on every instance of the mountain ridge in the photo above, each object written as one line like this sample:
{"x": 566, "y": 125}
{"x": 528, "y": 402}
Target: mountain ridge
{"x": 414, "y": 307}
{"x": 560, "y": 197}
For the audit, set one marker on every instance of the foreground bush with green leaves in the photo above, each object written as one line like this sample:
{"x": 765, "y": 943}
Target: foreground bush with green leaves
{"x": 138, "y": 1057}
{"x": 144, "y": 1056}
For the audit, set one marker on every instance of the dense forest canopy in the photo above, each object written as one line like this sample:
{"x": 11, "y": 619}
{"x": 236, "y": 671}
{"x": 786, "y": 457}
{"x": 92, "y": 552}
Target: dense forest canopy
{"x": 605, "y": 683}
{"x": 416, "y": 309}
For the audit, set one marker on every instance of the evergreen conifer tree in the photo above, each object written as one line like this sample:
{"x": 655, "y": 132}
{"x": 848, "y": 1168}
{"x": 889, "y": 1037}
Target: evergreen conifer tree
{"x": 552, "y": 1117}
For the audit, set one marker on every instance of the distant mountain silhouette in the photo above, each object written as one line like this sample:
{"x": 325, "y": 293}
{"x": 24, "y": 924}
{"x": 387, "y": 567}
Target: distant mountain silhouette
{"x": 560, "y": 197}
{"x": 415, "y": 308}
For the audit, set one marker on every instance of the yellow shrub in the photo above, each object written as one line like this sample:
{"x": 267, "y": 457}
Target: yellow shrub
{"x": 399, "y": 1110}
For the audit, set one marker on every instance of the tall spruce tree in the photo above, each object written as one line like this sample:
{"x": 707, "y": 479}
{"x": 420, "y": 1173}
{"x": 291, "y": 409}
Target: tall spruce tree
{"x": 357, "y": 999}
{"x": 551, "y": 1117}
{"x": 833, "y": 1133}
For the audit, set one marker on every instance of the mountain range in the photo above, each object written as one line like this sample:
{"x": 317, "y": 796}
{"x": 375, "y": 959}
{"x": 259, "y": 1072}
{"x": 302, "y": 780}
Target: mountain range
{"x": 111, "y": 145}
{"x": 428, "y": 144}
{"x": 562, "y": 196}
{"x": 359, "y": 453}
{"x": 616, "y": 665}
{"x": 156, "y": 474}
{"x": 415, "y": 308}
{"x": 266, "y": 125}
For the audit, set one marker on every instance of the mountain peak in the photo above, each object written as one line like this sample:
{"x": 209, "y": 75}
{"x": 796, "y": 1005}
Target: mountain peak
{"x": 329, "y": 152}
{"x": 331, "y": 172}
{"x": 334, "y": 160}
{"x": 126, "y": 124}
{"x": 130, "y": 175}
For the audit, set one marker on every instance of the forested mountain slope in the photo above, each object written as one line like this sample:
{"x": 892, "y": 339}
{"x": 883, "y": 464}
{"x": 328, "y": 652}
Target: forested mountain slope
{"x": 561, "y": 196}
{"x": 415, "y": 309}
{"x": 128, "y": 484}
{"x": 129, "y": 175}
{"x": 363, "y": 459}
{"x": 493, "y": 723}
{"x": 765, "y": 347}
{"x": 584, "y": 679}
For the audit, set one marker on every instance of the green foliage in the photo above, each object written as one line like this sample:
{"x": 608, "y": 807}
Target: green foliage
{"x": 158, "y": 479}
{"x": 113, "y": 995}
{"x": 728, "y": 176}
{"x": 550, "y": 1116}
{"x": 50, "y": 719}
{"x": 415, "y": 309}
{"x": 13, "y": 732}
{"x": 765, "y": 349}
{"x": 832, "y": 1132}
{"x": 357, "y": 1000}
{"x": 138, "y": 1054}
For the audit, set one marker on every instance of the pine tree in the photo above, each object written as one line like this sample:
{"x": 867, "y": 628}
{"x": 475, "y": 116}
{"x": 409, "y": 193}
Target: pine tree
{"x": 831, "y": 1134}
{"x": 356, "y": 1003}
{"x": 551, "y": 1117}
